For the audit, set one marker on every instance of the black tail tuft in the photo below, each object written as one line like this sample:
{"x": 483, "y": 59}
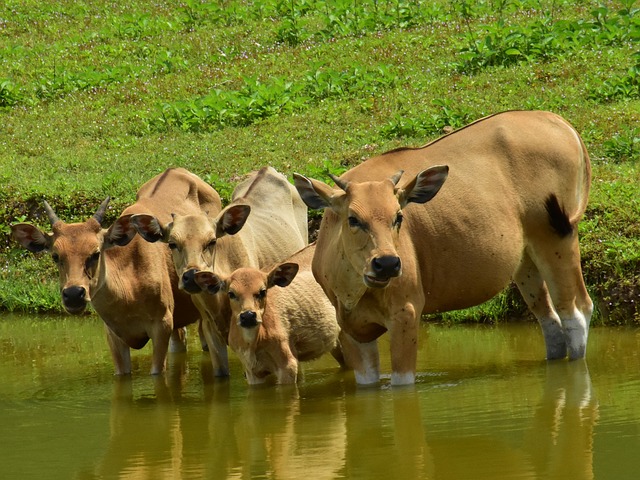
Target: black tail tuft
{"x": 558, "y": 217}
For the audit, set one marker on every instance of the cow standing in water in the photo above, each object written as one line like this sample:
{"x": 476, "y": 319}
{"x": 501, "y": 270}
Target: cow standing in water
{"x": 265, "y": 222}
{"x": 517, "y": 184}
{"x": 134, "y": 287}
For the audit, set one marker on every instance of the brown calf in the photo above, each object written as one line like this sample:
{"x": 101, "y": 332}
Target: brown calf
{"x": 518, "y": 182}
{"x": 134, "y": 288}
{"x": 274, "y": 328}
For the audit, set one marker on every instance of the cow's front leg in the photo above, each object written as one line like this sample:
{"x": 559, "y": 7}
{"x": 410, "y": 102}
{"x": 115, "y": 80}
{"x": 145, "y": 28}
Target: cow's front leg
{"x": 160, "y": 336}
{"x": 403, "y": 330}
{"x": 120, "y": 353}
{"x": 217, "y": 347}
{"x": 178, "y": 340}
{"x": 363, "y": 358}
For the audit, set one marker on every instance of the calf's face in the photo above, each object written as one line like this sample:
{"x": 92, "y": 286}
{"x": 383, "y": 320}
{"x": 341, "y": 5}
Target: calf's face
{"x": 76, "y": 249}
{"x": 192, "y": 239}
{"x": 247, "y": 291}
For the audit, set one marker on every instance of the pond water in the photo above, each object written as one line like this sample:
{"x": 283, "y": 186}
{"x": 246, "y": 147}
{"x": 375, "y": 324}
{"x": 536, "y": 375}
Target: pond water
{"x": 485, "y": 406}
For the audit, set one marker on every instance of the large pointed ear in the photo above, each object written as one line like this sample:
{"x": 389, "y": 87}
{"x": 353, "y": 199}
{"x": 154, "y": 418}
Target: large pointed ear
{"x": 31, "y": 237}
{"x": 314, "y": 193}
{"x": 149, "y": 227}
{"x": 231, "y": 220}
{"x": 424, "y": 186}
{"x": 120, "y": 233}
{"x": 282, "y": 275}
{"x": 209, "y": 282}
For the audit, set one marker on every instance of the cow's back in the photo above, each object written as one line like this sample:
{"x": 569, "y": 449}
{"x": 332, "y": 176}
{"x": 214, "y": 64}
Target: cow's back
{"x": 277, "y": 225}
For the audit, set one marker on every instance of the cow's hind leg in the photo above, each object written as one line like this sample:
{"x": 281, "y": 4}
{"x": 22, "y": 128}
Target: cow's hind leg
{"x": 178, "y": 340}
{"x": 558, "y": 264}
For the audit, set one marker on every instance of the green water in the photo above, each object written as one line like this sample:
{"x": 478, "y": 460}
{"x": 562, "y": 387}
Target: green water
{"x": 485, "y": 407}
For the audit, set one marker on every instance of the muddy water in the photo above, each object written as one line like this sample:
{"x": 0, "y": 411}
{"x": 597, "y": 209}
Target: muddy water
{"x": 485, "y": 407}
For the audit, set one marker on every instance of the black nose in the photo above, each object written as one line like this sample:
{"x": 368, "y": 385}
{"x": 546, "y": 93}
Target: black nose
{"x": 189, "y": 281}
{"x": 74, "y": 298}
{"x": 386, "y": 266}
{"x": 248, "y": 319}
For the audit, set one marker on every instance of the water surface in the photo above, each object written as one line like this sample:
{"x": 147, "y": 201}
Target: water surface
{"x": 485, "y": 406}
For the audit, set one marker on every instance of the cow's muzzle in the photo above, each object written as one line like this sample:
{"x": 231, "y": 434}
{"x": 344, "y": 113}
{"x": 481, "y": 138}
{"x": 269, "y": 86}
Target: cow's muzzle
{"x": 383, "y": 269}
{"x": 189, "y": 281}
{"x": 74, "y": 299}
{"x": 248, "y": 319}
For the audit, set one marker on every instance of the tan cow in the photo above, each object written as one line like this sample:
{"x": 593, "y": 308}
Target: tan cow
{"x": 274, "y": 328}
{"x": 134, "y": 289}
{"x": 264, "y": 224}
{"x": 518, "y": 184}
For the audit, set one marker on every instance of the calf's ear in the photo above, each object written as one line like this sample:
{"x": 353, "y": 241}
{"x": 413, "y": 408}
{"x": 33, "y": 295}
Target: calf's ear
{"x": 316, "y": 194}
{"x": 31, "y": 237}
{"x": 424, "y": 186}
{"x": 148, "y": 227}
{"x": 282, "y": 275}
{"x": 209, "y": 282}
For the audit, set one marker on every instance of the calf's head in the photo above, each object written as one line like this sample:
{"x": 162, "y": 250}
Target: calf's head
{"x": 247, "y": 290}
{"x": 370, "y": 215}
{"x": 192, "y": 239}
{"x": 77, "y": 249}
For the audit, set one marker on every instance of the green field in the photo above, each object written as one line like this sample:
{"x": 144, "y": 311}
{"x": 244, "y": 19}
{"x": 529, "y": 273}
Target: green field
{"x": 97, "y": 97}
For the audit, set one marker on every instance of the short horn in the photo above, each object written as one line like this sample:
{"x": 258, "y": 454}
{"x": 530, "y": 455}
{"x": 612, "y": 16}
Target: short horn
{"x": 396, "y": 178}
{"x": 53, "y": 218}
{"x": 338, "y": 182}
{"x": 99, "y": 215}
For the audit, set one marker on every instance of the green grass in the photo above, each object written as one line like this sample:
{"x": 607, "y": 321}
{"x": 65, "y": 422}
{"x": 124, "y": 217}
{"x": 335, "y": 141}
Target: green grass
{"x": 97, "y": 97}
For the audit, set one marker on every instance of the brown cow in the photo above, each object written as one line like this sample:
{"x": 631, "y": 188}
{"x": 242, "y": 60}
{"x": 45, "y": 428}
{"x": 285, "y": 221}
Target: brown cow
{"x": 274, "y": 328}
{"x": 275, "y": 228}
{"x": 518, "y": 185}
{"x": 134, "y": 289}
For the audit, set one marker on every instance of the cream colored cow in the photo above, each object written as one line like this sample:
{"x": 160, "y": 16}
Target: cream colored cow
{"x": 134, "y": 289}
{"x": 516, "y": 186}
{"x": 272, "y": 329}
{"x": 264, "y": 224}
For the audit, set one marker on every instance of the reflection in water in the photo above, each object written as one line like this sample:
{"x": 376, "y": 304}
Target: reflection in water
{"x": 561, "y": 440}
{"x": 492, "y": 414}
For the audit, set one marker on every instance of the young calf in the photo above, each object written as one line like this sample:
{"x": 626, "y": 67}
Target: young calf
{"x": 273, "y": 328}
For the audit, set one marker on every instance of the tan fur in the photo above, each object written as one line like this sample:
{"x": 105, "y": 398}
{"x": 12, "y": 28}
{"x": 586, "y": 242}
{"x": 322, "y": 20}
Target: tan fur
{"x": 489, "y": 224}
{"x": 294, "y": 320}
{"x": 265, "y": 223}
{"x": 133, "y": 288}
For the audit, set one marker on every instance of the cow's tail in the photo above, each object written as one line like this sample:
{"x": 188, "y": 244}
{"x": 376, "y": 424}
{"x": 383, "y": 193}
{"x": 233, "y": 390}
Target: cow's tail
{"x": 562, "y": 222}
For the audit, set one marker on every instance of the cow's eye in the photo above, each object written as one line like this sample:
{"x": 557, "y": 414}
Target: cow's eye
{"x": 232, "y": 296}
{"x": 56, "y": 258}
{"x": 354, "y": 222}
{"x": 172, "y": 245}
{"x": 398, "y": 221}
{"x": 93, "y": 259}
{"x": 261, "y": 294}
{"x": 211, "y": 244}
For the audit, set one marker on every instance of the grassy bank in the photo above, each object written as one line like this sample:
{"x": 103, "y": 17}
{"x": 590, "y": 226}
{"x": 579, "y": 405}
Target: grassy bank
{"x": 96, "y": 98}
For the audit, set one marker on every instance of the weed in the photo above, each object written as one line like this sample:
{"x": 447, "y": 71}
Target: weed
{"x": 623, "y": 146}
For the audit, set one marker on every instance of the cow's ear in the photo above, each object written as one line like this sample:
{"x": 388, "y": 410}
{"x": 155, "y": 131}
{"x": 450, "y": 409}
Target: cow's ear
{"x": 424, "y": 186}
{"x": 231, "y": 220}
{"x": 209, "y": 282}
{"x": 31, "y": 237}
{"x": 120, "y": 233}
{"x": 149, "y": 227}
{"x": 316, "y": 194}
{"x": 282, "y": 275}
